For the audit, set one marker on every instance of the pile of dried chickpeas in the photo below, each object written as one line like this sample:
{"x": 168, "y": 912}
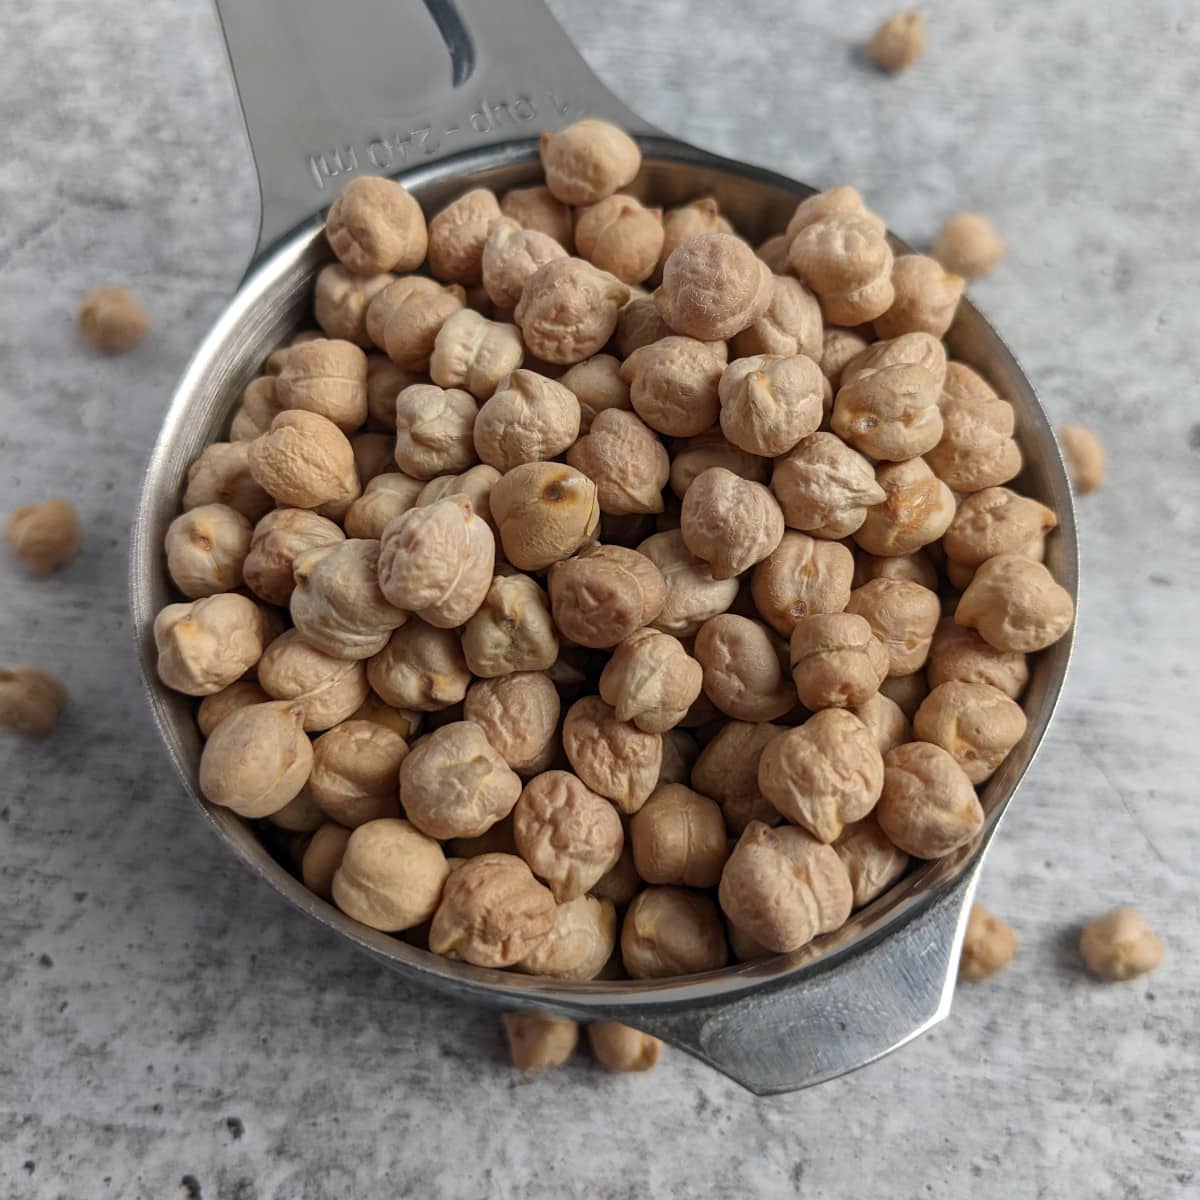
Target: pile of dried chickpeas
{"x": 598, "y": 631}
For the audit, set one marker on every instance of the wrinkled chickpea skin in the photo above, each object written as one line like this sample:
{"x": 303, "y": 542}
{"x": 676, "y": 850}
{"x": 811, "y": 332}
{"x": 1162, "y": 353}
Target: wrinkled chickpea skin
{"x": 391, "y": 876}
{"x": 386, "y": 496}
{"x": 1120, "y": 945}
{"x": 625, "y": 460}
{"x": 958, "y": 653}
{"x": 222, "y": 475}
{"x": 678, "y": 837}
{"x": 928, "y": 806}
{"x": 845, "y": 259}
{"x": 727, "y": 770}
{"x": 528, "y": 419}
{"x": 30, "y": 700}
{"x": 612, "y": 757}
{"x": 1016, "y": 605}
{"x": 988, "y": 945}
{"x": 544, "y": 512}
{"x": 729, "y": 522}
{"x": 837, "y": 662}
{"x": 692, "y": 456}
{"x": 511, "y": 630}
{"x": 207, "y": 644}
{"x": 518, "y": 714}
{"x": 651, "y": 680}
{"x": 474, "y": 353}
{"x": 340, "y": 300}
{"x": 216, "y": 707}
{"x": 537, "y": 208}
{"x": 916, "y": 510}
{"x": 605, "y": 593}
{"x": 326, "y": 689}
{"x": 693, "y": 593}
{"x": 745, "y": 669}
{"x": 322, "y": 858}
{"x": 976, "y": 723}
{"x": 435, "y": 430}
{"x": 511, "y": 255}
{"x": 355, "y": 773}
{"x": 588, "y": 160}
{"x": 598, "y": 386}
{"x": 672, "y": 931}
{"x": 47, "y": 536}
{"x": 375, "y": 225}
{"x": 903, "y": 616}
{"x": 568, "y": 310}
{"x": 885, "y": 720}
{"x": 713, "y": 286}
{"x": 802, "y": 576}
{"x": 768, "y": 403}
{"x": 673, "y": 385}
{"x": 791, "y": 325}
{"x": 458, "y": 234}
{"x": 891, "y": 413}
{"x": 824, "y": 487}
{"x": 871, "y": 861}
{"x": 281, "y": 537}
{"x": 305, "y": 461}
{"x": 621, "y": 236}
{"x": 328, "y": 377}
{"x": 420, "y": 668}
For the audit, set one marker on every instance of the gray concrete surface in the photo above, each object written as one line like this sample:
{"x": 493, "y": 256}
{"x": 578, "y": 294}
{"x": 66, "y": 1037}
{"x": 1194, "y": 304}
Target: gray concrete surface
{"x": 168, "y": 1028}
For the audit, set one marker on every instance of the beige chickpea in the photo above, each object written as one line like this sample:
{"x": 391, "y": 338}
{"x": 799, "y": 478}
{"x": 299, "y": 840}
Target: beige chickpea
{"x": 474, "y": 353}
{"x": 769, "y": 403}
{"x": 625, "y": 460}
{"x": 916, "y": 510}
{"x": 406, "y": 317}
{"x": 568, "y": 310}
{"x": 337, "y": 604}
{"x": 375, "y": 225}
{"x": 623, "y": 1048}
{"x": 782, "y": 887}
{"x": 842, "y": 200}
{"x": 476, "y": 484}
{"x": 260, "y": 405}
{"x": 457, "y": 235}
{"x": 837, "y": 662}
{"x": 730, "y": 522}
{"x": 800, "y": 577}
{"x": 839, "y": 348}
{"x": 903, "y": 616}
{"x": 698, "y": 216}
{"x": 673, "y": 385}
{"x": 791, "y": 325}
{"x": 968, "y": 245}
{"x": 871, "y": 861}
{"x": 277, "y": 541}
{"x": 745, "y": 668}
{"x": 598, "y": 386}
{"x": 327, "y": 690}
{"x": 727, "y": 771}
{"x": 713, "y": 287}
{"x": 216, "y": 707}
{"x": 580, "y": 942}
{"x": 340, "y": 299}
{"x": 112, "y": 319}
{"x": 518, "y": 714}
{"x": 528, "y": 419}
{"x": 356, "y": 771}
{"x": 257, "y": 759}
{"x": 47, "y": 536}
{"x": 899, "y": 41}
{"x": 537, "y": 1040}
{"x": 327, "y": 377}
{"x": 906, "y": 691}
{"x": 1083, "y": 452}
{"x": 31, "y": 700}
{"x": 305, "y": 461}
{"x": 926, "y": 299}
{"x": 692, "y": 456}
{"x": 909, "y": 349}
{"x": 207, "y": 644}
{"x": 774, "y": 252}
{"x": 823, "y": 774}
{"x": 385, "y": 381}
{"x": 454, "y": 783}
{"x": 385, "y": 497}
{"x": 961, "y": 654}
{"x": 885, "y": 720}
{"x": 222, "y": 475}
{"x": 511, "y": 255}
{"x": 928, "y": 806}
{"x": 1015, "y": 604}
{"x": 651, "y": 680}
{"x": 322, "y": 858}
{"x": 420, "y": 668}
{"x": 544, "y": 512}
{"x": 672, "y": 931}
{"x": 988, "y": 945}
{"x": 391, "y": 876}
{"x": 917, "y": 567}
{"x": 977, "y": 449}
{"x": 845, "y": 259}
{"x": 493, "y": 912}
{"x": 621, "y": 236}
{"x": 537, "y": 208}
{"x": 405, "y": 722}
{"x": 206, "y": 548}
{"x": 995, "y": 521}
{"x": 611, "y": 757}
{"x": 890, "y": 413}
{"x": 435, "y": 430}
{"x": 588, "y": 160}
{"x": 639, "y": 324}
{"x": 824, "y": 487}
{"x": 977, "y": 724}
{"x": 604, "y": 593}
{"x": 511, "y": 631}
{"x": 693, "y": 593}
{"x": 1120, "y": 945}
{"x": 569, "y": 835}
{"x": 678, "y": 837}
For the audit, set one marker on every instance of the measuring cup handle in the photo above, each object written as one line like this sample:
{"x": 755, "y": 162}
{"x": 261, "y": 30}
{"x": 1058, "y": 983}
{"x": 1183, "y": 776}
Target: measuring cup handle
{"x": 799, "y": 1034}
{"x": 376, "y": 87}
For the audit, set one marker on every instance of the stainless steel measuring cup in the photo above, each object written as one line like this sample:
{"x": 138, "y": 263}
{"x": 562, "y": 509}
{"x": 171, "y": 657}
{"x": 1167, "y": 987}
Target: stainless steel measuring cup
{"x": 449, "y": 95}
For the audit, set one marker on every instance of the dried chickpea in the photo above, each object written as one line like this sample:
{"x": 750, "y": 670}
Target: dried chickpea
{"x": 621, "y": 236}
{"x": 493, "y": 913}
{"x": 886, "y": 721}
{"x": 277, "y": 541}
{"x": 899, "y": 41}
{"x": 326, "y": 690}
{"x": 623, "y": 1048}
{"x": 30, "y": 700}
{"x": 977, "y": 449}
{"x": 692, "y": 456}
{"x": 698, "y": 216}
{"x": 1083, "y": 452}
{"x": 768, "y": 403}
{"x": 405, "y": 722}
{"x": 914, "y": 568}
{"x": 207, "y": 644}
{"x": 727, "y": 770}
{"x": 327, "y": 377}
{"x": 909, "y": 349}
{"x": 544, "y": 512}
{"x": 890, "y": 413}
{"x": 322, "y": 857}
{"x": 774, "y": 252}
{"x": 356, "y": 771}
{"x": 457, "y": 235}
{"x": 568, "y": 310}
{"x": 536, "y": 208}
{"x": 340, "y": 300}
{"x": 476, "y": 484}
{"x": 222, "y": 475}
{"x": 604, "y": 593}
{"x": 626, "y": 461}
{"x": 673, "y": 385}
{"x": 926, "y": 299}
{"x": 745, "y": 669}
{"x": 988, "y": 945}
{"x": 580, "y": 942}
{"x": 678, "y": 836}
{"x": 206, "y": 548}
{"x": 1015, "y": 604}
{"x": 693, "y": 594}
{"x": 569, "y": 835}
{"x": 385, "y": 381}
{"x": 47, "y": 536}
{"x": 588, "y": 160}
{"x": 537, "y": 1040}
{"x": 871, "y": 861}
{"x": 529, "y": 418}
{"x": 406, "y": 317}
{"x": 968, "y": 245}
{"x": 391, "y": 876}
{"x": 511, "y": 255}
{"x": 260, "y": 405}
{"x": 386, "y": 496}
{"x": 305, "y": 461}
{"x": 730, "y": 522}
{"x": 824, "y": 487}
{"x": 112, "y": 319}
{"x": 995, "y": 521}
{"x": 216, "y": 707}
{"x": 375, "y": 225}
{"x": 639, "y": 324}
{"x": 906, "y": 691}
{"x": 598, "y": 386}
{"x": 511, "y": 631}
{"x": 435, "y": 430}
{"x": 474, "y": 353}
{"x": 823, "y": 774}
{"x": 800, "y": 577}
{"x": 421, "y": 668}
{"x": 917, "y": 509}
{"x": 518, "y": 714}
{"x": 791, "y": 325}
{"x": 959, "y": 653}
{"x": 837, "y": 662}
{"x": 611, "y": 757}
{"x": 651, "y": 680}
{"x": 713, "y": 287}
{"x": 672, "y": 931}
{"x": 928, "y": 806}
{"x": 1120, "y": 945}
{"x": 782, "y": 887}
{"x": 903, "y": 616}
{"x": 975, "y": 722}
{"x": 843, "y": 200}
{"x": 845, "y": 259}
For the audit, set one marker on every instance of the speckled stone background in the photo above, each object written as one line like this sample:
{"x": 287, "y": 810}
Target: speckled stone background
{"x": 169, "y": 1028}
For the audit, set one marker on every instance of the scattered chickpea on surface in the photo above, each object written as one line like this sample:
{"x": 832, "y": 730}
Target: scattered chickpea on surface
{"x": 537, "y": 1040}
{"x": 45, "y": 536}
{"x": 968, "y": 245}
{"x": 620, "y": 1048}
{"x": 988, "y": 945}
{"x": 1084, "y": 455}
{"x": 30, "y": 700}
{"x": 899, "y": 41}
{"x": 112, "y": 319}
{"x": 1120, "y": 945}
